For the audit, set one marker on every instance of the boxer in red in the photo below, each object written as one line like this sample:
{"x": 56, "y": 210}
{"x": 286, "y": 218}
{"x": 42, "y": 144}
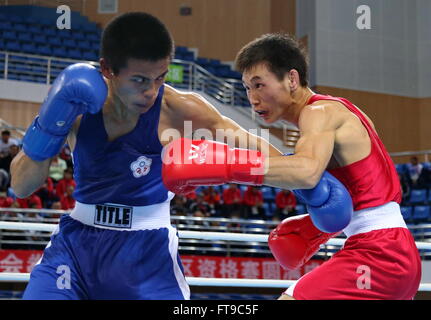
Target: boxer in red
{"x": 380, "y": 259}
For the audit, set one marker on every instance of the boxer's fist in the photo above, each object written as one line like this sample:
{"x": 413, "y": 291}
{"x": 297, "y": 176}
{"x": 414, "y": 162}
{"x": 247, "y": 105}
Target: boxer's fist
{"x": 78, "y": 89}
{"x": 329, "y": 204}
{"x": 189, "y": 163}
{"x": 295, "y": 241}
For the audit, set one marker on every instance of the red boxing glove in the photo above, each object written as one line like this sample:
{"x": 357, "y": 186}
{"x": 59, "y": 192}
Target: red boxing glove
{"x": 296, "y": 240}
{"x": 189, "y": 163}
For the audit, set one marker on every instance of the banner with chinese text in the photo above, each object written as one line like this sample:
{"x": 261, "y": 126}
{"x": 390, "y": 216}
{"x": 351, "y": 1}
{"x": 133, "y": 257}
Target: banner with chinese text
{"x": 22, "y": 261}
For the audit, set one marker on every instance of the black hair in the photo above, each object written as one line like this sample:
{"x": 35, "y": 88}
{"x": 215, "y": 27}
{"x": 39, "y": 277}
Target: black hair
{"x": 280, "y": 52}
{"x": 137, "y": 35}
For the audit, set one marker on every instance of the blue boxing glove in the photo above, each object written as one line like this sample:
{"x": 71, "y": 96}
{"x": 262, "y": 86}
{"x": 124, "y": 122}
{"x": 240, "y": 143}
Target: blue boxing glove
{"x": 78, "y": 89}
{"x": 329, "y": 204}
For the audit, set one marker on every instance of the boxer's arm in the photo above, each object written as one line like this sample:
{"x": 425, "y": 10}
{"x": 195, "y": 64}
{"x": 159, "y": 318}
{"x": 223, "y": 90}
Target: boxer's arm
{"x": 27, "y": 175}
{"x": 313, "y": 151}
{"x": 203, "y": 115}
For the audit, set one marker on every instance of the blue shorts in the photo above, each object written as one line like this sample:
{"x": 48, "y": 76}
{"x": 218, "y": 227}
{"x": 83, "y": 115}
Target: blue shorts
{"x": 88, "y": 262}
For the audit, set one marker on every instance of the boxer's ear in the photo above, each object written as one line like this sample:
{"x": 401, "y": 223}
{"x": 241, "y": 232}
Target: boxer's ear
{"x": 105, "y": 69}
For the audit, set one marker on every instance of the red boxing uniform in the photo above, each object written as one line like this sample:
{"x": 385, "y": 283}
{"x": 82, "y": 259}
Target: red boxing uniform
{"x": 379, "y": 260}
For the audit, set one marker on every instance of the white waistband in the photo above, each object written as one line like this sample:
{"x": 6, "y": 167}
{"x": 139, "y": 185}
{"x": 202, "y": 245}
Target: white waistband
{"x": 381, "y": 217}
{"x": 123, "y": 218}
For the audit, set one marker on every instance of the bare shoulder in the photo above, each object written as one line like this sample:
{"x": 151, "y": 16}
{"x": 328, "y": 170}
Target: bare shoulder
{"x": 322, "y": 114}
{"x": 189, "y": 106}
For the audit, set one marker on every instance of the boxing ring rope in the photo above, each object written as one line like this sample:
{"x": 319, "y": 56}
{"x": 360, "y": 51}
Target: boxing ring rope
{"x": 194, "y": 281}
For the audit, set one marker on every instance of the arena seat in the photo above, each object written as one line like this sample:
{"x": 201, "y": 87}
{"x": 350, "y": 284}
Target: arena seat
{"x": 421, "y": 213}
{"x": 418, "y": 196}
{"x": 406, "y": 212}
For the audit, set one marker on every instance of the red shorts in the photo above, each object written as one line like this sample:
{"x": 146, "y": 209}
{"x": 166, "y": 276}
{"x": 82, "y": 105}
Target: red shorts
{"x": 380, "y": 264}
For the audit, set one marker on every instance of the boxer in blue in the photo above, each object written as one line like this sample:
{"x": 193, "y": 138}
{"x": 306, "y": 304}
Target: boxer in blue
{"x": 118, "y": 242}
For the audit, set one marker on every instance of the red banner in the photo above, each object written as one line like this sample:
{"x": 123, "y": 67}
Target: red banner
{"x": 194, "y": 266}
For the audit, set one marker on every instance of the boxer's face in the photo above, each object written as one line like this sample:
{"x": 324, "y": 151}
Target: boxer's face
{"x": 268, "y": 96}
{"x": 137, "y": 84}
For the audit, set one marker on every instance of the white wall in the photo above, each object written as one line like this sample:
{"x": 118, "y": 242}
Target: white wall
{"x": 23, "y": 91}
{"x": 392, "y": 57}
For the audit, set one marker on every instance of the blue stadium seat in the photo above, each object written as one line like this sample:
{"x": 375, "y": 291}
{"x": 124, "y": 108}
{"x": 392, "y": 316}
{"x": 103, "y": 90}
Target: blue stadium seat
{"x": 91, "y": 36}
{"x": 49, "y": 32}
{"x": 60, "y": 52}
{"x": 418, "y": 196}
{"x": 44, "y": 50}
{"x": 64, "y": 33}
{"x": 2, "y": 44}
{"x": 12, "y": 76}
{"x": 401, "y": 168}
{"x": 15, "y": 18}
{"x": 13, "y": 46}
{"x": 74, "y": 54}
{"x": 10, "y": 35}
{"x": 41, "y": 80}
{"x": 188, "y": 56}
{"x": 269, "y": 211}
{"x": 6, "y": 25}
{"x": 181, "y": 49}
{"x": 90, "y": 56}
{"x": 407, "y": 212}
{"x": 243, "y": 188}
{"x": 421, "y": 212}
{"x": 54, "y": 41}
{"x": 95, "y": 45}
{"x": 202, "y": 61}
{"x": 69, "y": 43}
{"x": 214, "y": 62}
{"x": 24, "y": 37}
{"x": 39, "y": 69}
{"x": 36, "y": 29}
{"x": 21, "y": 27}
{"x": 39, "y": 38}
{"x": 77, "y": 35}
{"x": 28, "y": 47}
{"x": 27, "y": 78}
{"x": 268, "y": 193}
{"x": 84, "y": 44}
{"x": 301, "y": 209}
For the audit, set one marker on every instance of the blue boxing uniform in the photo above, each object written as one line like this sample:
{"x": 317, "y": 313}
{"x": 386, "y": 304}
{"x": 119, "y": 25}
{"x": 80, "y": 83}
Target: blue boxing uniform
{"x": 118, "y": 242}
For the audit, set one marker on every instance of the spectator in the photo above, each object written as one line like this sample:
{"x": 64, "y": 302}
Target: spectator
{"x": 32, "y": 201}
{"x": 56, "y": 169}
{"x": 414, "y": 170}
{"x": 4, "y": 179}
{"x": 201, "y": 205}
{"x": 253, "y": 204}
{"x": 286, "y": 204}
{"x": 5, "y": 201}
{"x": 6, "y": 160}
{"x": 46, "y": 193}
{"x": 65, "y": 182}
{"x": 231, "y": 201}
{"x": 66, "y": 155}
{"x": 56, "y": 205}
{"x": 212, "y": 198}
{"x": 5, "y": 142}
{"x": 178, "y": 207}
{"x": 67, "y": 200}
{"x": 405, "y": 187}
{"x": 200, "y": 214}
